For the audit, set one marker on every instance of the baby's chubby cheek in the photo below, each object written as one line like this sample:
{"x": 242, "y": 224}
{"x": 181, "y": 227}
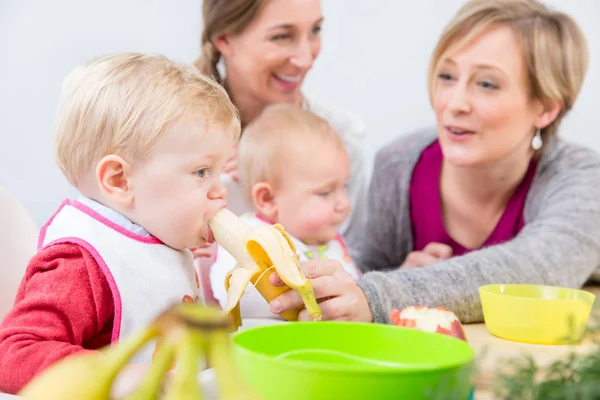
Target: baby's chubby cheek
{"x": 323, "y": 230}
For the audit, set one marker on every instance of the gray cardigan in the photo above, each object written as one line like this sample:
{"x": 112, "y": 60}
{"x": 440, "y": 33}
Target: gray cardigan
{"x": 559, "y": 244}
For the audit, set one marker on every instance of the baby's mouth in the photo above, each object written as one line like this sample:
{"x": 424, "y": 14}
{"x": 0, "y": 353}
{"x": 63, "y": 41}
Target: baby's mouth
{"x": 210, "y": 238}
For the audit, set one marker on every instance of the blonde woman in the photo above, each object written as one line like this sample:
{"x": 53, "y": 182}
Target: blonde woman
{"x": 492, "y": 194}
{"x": 265, "y": 49}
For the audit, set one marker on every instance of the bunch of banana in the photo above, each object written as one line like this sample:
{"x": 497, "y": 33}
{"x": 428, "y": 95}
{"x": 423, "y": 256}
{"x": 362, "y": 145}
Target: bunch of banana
{"x": 189, "y": 333}
{"x": 257, "y": 251}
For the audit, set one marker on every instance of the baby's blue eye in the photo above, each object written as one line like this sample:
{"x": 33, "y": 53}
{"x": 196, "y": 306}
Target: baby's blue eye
{"x": 202, "y": 173}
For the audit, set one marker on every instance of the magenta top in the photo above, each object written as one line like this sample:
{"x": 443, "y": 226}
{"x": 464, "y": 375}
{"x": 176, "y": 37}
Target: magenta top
{"x": 426, "y": 209}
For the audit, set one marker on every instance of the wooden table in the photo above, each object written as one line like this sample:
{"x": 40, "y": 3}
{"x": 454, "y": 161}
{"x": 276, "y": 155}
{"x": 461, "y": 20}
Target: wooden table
{"x": 491, "y": 351}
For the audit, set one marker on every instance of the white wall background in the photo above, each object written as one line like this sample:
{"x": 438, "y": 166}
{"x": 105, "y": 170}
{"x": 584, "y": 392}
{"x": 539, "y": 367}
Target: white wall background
{"x": 374, "y": 60}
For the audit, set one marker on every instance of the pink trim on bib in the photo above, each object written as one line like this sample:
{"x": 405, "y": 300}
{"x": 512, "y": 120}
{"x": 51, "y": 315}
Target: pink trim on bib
{"x": 44, "y": 228}
{"x": 110, "y": 279}
{"x": 105, "y": 221}
{"x": 131, "y": 235}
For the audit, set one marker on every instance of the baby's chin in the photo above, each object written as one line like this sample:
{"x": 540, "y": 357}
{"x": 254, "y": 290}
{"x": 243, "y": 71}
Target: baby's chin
{"x": 318, "y": 239}
{"x": 183, "y": 244}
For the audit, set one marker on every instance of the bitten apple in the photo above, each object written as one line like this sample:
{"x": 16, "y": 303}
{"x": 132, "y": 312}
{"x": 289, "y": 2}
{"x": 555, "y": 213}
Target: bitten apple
{"x": 438, "y": 320}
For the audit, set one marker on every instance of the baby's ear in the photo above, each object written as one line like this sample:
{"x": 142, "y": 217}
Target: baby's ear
{"x": 113, "y": 174}
{"x": 263, "y": 197}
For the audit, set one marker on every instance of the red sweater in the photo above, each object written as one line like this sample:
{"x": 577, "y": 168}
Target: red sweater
{"x": 64, "y": 306}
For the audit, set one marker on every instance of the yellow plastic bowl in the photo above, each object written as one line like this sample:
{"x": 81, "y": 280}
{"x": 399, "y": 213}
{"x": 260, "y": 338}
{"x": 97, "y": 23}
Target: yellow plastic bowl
{"x": 536, "y": 313}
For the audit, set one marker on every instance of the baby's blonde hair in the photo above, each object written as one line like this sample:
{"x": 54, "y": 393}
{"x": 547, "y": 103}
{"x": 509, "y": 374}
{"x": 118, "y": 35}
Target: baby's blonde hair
{"x": 554, "y": 47}
{"x": 269, "y": 140}
{"x": 122, "y": 103}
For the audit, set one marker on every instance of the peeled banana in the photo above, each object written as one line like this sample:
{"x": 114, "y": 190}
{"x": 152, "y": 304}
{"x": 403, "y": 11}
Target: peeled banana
{"x": 256, "y": 251}
{"x": 189, "y": 333}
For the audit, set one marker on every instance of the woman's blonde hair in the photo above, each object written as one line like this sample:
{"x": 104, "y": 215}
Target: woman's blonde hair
{"x": 268, "y": 142}
{"x": 122, "y": 103}
{"x": 553, "y": 45}
{"x": 220, "y": 17}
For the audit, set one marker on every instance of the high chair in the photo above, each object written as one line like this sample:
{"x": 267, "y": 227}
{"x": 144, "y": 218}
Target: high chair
{"x": 18, "y": 242}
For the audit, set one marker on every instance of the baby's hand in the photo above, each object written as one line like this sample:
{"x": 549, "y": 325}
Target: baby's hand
{"x": 207, "y": 250}
{"x": 431, "y": 254}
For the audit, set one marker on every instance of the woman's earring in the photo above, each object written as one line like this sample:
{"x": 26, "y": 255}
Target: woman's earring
{"x": 536, "y": 142}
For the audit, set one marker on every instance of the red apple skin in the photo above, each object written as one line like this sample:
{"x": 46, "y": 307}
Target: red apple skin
{"x": 448, "y": 323}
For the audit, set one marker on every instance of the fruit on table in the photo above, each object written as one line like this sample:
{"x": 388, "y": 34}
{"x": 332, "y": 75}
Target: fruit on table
{"x": 256, "y": 252}
{"x": 188, "y": 333}
{"x": 438, "y": 320}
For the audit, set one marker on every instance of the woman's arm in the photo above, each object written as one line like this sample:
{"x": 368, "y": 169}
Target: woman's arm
{"x": 387, "y": 238}
{"x": 377, "y": 249}
{"x": 560, "y": 245}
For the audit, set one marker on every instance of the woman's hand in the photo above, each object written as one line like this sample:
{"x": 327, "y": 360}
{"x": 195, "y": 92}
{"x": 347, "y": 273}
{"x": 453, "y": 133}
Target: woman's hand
{"x": 338, "y": 295}
{"x": 431, "y": 254}
{"x": 231, "y": 166}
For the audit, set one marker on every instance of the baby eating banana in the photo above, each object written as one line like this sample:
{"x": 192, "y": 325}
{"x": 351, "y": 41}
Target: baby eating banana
{"x": 309, "y": 199}
{"x": 256, "y": 252}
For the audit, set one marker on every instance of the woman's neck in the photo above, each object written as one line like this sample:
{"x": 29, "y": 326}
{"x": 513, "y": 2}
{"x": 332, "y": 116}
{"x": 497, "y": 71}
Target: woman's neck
{"x": 249, "y": 107}
{"x": 486, "y": 186}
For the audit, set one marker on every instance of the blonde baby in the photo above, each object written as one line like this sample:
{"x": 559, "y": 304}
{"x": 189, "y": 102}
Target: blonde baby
{"x": 293, "y": 168}
{"x": 143, "y": 139}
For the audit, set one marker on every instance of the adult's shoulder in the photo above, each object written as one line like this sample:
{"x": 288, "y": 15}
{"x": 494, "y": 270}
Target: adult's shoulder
{"x": 562, "y": 156}
{"x": 567, "y": 174}
{"x": 348, "y": 124}
{"x": 405, "y": 150}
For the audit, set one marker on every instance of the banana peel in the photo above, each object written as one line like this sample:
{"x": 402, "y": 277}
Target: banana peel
{"x": 256, "y": 252}
{"x": 189, "y": 334}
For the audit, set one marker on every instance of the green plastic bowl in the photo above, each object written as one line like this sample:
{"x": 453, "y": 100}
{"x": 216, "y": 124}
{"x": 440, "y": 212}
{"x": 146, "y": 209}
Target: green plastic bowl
{"x": 345, "y": 360}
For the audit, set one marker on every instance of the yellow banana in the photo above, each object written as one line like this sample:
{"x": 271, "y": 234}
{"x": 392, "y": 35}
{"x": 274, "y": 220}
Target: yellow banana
{"x": 86, "y": 376}
{"x": 152, "y": 383}
{"x": 210, "y": 335}
{"x": 227, "y": 375}
{"x": 256, "y": 251}
{"x": 189, "y": 333}
{"x": 184, "y": 385}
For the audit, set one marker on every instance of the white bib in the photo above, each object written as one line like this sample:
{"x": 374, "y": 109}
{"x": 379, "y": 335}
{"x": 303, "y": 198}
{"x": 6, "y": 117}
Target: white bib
{"x": 145, "y": 275}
